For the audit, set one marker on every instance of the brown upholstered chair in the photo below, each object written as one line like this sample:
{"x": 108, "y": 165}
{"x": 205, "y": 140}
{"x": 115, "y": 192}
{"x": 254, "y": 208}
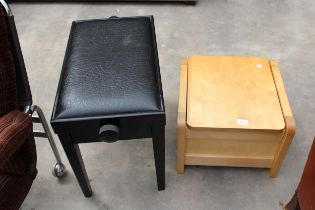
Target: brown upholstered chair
{"x": 24, "y": 97}
{"x": 17, "y": 146}
{"x": 304, "y": 197}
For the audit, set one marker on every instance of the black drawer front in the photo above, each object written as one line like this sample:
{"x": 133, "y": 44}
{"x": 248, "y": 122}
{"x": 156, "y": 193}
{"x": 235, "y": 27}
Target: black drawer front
{"x": 129, "y": 128}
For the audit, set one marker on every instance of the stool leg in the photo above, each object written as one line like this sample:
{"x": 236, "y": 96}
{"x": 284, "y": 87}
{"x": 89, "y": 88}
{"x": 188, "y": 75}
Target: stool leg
{"x": 158, "y": 137}
{"x": 75, "y": 159}
{"x": 181, "y": 143}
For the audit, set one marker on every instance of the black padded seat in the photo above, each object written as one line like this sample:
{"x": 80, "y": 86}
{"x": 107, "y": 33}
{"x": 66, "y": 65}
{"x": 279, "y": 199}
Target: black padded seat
{"x": 110, "y": 69}
{"x": 110, "y": 89}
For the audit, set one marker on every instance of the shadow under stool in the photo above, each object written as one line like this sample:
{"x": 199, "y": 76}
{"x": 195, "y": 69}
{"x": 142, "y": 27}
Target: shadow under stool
{"x": 110, "y": 89}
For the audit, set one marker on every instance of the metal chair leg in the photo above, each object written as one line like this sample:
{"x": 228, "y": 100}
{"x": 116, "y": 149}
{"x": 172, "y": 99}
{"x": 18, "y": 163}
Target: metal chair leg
{"x": 59, "y": 169}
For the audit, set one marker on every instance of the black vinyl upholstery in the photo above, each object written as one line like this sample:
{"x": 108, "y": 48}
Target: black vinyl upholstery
{"x": 110, "y": 69}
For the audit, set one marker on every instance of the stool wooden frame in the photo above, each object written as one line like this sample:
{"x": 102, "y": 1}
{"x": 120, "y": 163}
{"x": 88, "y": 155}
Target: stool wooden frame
{"x": 194, "y": 148}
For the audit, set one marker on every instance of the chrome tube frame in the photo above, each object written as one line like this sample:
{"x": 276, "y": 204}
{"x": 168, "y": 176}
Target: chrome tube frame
{"x": 6, "y": 7}
{"x": 59, "y": 169}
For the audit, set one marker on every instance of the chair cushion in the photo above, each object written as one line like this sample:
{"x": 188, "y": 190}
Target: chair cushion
{"x": 8, "y": 91}
{"x": 110, "y": 69}
{"x": 13, "y": 190}
{"x": 17, "y": 146}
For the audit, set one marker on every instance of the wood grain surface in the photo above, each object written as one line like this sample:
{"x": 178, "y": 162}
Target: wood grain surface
{"x": 232, "y": 92}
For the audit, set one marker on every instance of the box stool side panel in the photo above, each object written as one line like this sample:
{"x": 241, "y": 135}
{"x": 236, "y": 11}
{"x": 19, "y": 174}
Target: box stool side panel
{"x": 181, "y": 118}
{"x": 288, "y": 117}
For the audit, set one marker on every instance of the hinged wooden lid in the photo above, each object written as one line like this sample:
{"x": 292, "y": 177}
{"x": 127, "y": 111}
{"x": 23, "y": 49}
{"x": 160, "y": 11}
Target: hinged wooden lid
{"x": 232, "y": 92}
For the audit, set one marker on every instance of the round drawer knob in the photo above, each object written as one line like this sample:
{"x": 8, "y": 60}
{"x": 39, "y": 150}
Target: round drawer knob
{"x": 109, "y": 133}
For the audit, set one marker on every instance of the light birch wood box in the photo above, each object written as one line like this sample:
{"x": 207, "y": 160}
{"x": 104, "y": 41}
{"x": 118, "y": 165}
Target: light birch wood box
{"x": 233, "y": 111}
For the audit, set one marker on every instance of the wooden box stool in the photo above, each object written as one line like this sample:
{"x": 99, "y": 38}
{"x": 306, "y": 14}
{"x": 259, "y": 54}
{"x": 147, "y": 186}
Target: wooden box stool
{"x": 233, "y": 111}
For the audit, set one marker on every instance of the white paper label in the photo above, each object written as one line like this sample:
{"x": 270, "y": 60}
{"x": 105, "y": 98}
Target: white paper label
{"x": 242, "y": 122}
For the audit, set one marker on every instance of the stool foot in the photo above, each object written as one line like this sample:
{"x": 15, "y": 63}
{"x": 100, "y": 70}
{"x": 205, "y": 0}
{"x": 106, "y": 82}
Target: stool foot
{"x": 158, "y": 137}
{"x": 75, "y": 159}
{"x": 180, "y": 169}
